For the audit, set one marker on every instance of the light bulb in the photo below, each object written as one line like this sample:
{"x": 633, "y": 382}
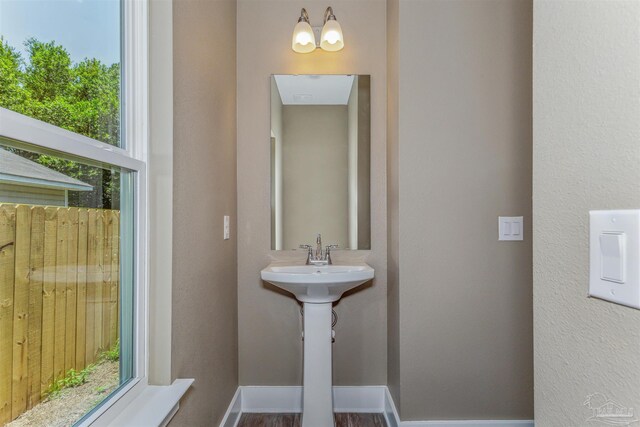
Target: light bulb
{"x": 332, "y": 37}
{"x": 303, "y": 38}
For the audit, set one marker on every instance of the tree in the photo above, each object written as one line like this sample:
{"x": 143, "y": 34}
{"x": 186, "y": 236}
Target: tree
{"x": 83, "y": 98}
{"x": 11, "y": 93}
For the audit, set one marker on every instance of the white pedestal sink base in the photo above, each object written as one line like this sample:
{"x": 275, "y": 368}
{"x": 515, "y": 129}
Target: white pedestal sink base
{"x": 317, "y": 404}
{"x": 317, "y": 287}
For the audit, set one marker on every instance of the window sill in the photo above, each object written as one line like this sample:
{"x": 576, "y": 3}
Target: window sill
{"x": 154, "y": 406}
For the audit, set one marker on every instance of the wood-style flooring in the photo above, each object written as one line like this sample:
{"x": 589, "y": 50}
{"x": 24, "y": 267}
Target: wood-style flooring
{"x": 293, "y": 420}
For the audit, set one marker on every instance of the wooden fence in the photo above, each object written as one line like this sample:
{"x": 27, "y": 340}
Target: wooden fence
{"x": 59, "y": 297}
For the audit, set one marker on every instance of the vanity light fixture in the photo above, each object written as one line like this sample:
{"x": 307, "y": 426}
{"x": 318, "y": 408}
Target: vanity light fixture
{"x": 304, "y": 40}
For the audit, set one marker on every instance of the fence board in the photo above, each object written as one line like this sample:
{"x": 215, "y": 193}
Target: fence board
{"x": 81, "y": 310}
{"x": 61, "y": 290}
{"x": 98, "y": 283}
{"x": 48, "y": 297}
{"x": 72, "y": 283}
{"x": 115, "y": 278}
{"x": 92, "y": 267}
{"x": 106, "y": 280}
{"x": 20, "y": 310}
{"x": 36, "y": 264}
{"x": 7, "y": 274}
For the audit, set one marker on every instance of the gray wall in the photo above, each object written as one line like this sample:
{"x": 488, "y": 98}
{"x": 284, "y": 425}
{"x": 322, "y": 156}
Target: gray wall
{"x": 586, "y": 123}
{"x": 393, "y": 202}
{"x": 461, "y": 300}
{"x": 269, "y": 322}
{"x": 204, "y": 329}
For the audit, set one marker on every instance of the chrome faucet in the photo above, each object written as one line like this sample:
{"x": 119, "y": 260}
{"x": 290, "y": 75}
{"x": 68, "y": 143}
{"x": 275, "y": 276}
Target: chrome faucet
{"x": 320, "y": 257}
{"x": 319, "y": 246}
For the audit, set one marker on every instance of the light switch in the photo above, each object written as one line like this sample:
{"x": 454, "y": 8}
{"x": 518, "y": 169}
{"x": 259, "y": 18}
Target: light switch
{"x": 515, "y": 228}
{"x": 510, "y": 228}
{"x": 614, "y": 252}
{"x": 226, "y": 231}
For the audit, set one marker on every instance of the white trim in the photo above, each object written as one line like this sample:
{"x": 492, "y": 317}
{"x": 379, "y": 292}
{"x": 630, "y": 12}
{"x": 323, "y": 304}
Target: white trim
{"x": 136, "y": 77}
{"x": 377, "y": 399}
{"x": 271, "y": 399}
{"x": 153, "y": 406}
{"x": 160, "y": 152}
{"x": 172, "y": 414}
{"x": 390, "y": 411}
{"x": 18, "y": 127}
{"x": 469, "y": 423}
{"x": 232, "y": 416}
{"x": 289, "y": 398}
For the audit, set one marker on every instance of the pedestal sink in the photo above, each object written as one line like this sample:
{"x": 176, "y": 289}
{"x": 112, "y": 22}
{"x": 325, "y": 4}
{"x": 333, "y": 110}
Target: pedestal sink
{"x": 317, "y": 287}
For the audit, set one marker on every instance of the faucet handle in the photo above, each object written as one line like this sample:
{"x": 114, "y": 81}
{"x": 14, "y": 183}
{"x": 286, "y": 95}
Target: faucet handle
{"x": 309, "y": 249}
{"x": 327, "y": 252}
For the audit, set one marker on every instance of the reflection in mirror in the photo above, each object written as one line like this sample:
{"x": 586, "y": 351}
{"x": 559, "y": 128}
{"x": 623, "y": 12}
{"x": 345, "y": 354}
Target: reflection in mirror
{"x": 320, "y": 160}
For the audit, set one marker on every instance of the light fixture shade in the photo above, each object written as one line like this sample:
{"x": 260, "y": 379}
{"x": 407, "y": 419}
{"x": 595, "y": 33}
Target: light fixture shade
{"x": 331, "y": 38}
{"x": 303, "y": 40}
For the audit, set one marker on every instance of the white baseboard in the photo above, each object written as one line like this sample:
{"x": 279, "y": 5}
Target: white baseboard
{"x": 469, "y": 423}
{"x": 232, "y": 416}
{"x": 288, "y": 399}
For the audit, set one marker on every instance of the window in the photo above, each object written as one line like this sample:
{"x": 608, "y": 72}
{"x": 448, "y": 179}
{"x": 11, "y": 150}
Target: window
{"x": 72, "y": 208}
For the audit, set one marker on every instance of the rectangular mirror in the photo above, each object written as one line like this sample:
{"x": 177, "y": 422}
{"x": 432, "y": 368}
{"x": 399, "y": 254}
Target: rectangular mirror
{"x": 320, "y": 160}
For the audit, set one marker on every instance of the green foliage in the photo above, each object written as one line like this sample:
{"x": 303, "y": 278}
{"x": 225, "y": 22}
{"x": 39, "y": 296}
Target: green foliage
{"x": 48, "y": 74}
{"x": 112, "y": 355}
{"x": 73, "y": 378}
{"x": 11, "y": 92}
{"x": 83, "y": 98}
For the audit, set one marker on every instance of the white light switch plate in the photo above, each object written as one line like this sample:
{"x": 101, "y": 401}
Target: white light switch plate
{"x": 614, "y": 256}
{"x": 510, "y": 228}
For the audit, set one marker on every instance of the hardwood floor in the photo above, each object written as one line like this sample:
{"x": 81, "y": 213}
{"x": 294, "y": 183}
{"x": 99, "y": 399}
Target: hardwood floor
{"x": 293, "y": 420}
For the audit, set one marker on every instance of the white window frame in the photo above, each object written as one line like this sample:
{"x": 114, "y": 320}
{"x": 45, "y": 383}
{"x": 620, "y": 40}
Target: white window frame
{"x": 133, "y": 157}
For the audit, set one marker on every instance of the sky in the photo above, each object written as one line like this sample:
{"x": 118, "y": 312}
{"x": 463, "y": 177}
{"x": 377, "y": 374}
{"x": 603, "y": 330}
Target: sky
{"x": 86, "y": 28}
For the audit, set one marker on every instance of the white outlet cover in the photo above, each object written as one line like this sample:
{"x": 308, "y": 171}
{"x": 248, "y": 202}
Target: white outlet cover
{"x": 614, "y": 256}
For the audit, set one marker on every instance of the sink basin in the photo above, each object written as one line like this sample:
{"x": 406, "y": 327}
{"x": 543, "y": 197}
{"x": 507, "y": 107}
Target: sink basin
{"x": 317, "y": 284}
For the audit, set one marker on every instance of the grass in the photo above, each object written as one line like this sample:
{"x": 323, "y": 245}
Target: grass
{"x": 75, "y": 378}
{"x": 113, "y": 354}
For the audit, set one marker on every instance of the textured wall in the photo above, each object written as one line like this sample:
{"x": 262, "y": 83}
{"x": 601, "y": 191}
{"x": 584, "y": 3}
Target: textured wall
{"x": 586, "y": 125}
{"x": 269, "y": 321}
{"x": 204, "y": 329}
{"x": 464, "y": 158}
{"x": 393, "y": 244}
